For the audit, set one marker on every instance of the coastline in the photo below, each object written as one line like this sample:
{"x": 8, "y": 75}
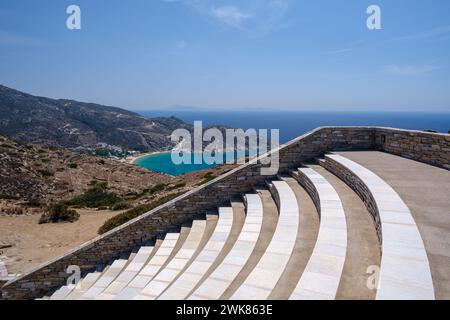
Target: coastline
{"x": 134, "y": 159}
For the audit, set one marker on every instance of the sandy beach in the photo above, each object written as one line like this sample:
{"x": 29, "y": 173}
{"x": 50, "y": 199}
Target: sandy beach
{"x": 134, "y": 159}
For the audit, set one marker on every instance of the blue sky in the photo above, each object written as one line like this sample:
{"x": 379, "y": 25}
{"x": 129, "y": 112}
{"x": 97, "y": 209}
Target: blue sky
{"x": 231, "y": 54}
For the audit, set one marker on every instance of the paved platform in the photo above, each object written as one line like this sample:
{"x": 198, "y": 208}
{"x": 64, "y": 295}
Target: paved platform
{"x": 425, "y": 190}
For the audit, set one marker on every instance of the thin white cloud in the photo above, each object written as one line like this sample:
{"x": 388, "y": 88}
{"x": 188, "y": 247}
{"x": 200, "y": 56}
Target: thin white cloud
{"x": 231, "y": 15}
{"x": 339, "y": 51}
{"x": 14, "y": 39}
{"x": 412, "y": 70}
{"x": 440, "y": 33}
{"x": 354, "y": 45}
{"x": 253, "y": 16}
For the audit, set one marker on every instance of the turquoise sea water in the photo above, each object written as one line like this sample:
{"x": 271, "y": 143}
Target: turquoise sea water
{"x": 162, "y": 162}
{"x": 291, "y": 125}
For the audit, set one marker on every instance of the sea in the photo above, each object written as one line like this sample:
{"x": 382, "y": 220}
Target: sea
{"x": 291, "y": 125}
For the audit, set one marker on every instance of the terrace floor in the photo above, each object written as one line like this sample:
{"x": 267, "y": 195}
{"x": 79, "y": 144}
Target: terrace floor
{"x": 426, "y": 191}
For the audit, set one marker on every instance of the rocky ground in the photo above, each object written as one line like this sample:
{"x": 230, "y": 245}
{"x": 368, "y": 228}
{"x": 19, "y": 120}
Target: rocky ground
{"x": 32, "y": 177}
{"x": 28, "y": 244}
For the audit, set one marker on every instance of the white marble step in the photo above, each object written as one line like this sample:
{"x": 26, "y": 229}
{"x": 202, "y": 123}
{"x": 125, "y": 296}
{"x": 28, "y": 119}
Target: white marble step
{"x": 130, "y": 272}
{"x": 105, "y": 280}
{"x": 84, "y": 285}
{"x": 182, "y": 287}
{"x": 405, "y": 271}
{"x": 74, "y": 292}
{"x": 217, "y": 283}
{"x": 61, "y": 293}
{"x": 163, "y": 280}
{"x": 264, "y": 277}
{"x": 322, "y": 275}
{"x": 151, "y": 268}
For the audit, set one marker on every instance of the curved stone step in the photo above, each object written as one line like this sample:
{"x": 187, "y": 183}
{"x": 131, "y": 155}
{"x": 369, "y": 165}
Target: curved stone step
{"x": 264, "y": 277}
{"x": 187, "y": 282}
{"x": 75, "y": 292}
{"x": 363, "y": 248}
{"x": 61, "y": 293}
{"x": 106, "y": 279}
{"x": 308, "y": 229}
{"x": 168, "y": 248}
{"x": 269, "y": 223}
{"x": 164, "y": 278}
{"x": 322, "y": 275}
{"x": 129, "y": 273}
{"x": 221, "y": 278}
{"x": 404, "y": 271}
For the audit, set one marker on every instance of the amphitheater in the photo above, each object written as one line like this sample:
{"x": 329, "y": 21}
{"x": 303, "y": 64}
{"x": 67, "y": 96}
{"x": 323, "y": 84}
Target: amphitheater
{"x": 354, "y": 213}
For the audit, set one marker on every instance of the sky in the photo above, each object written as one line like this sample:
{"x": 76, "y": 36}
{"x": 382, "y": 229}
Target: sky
{"x": 231, "y": 54}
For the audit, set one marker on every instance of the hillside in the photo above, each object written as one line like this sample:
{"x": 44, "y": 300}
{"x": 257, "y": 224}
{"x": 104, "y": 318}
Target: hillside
{"x": 33, "y": 177}
{"x": 29, "y": 172}
{"x": 73, "y": 124}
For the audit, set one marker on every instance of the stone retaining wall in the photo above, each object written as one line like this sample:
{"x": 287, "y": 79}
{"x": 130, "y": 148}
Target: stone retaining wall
{"x": 360, "y": 188}
{"x": 431, "y": 148}
{"x": 203, "y": 199}
{"x": 308, "y": 185}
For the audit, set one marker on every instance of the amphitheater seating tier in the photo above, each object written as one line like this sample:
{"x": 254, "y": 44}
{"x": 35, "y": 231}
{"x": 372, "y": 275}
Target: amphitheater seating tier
{"x": 300, "y": 251}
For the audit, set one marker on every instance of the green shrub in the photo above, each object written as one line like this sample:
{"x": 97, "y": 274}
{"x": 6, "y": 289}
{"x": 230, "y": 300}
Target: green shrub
{"x": 5, "y": 196}
{"x": 121, "y": 206}
{"x": 59, "y": 212}
{"x": 32, "y": 203}
{"x": 209, "y": 176}
{"x": 176, "y": 187}
{"x": 95, "y": 197}
{"x": 93, "y": 182}
{"x": 158, "y": 188}
{"x": 126, "y": 216}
